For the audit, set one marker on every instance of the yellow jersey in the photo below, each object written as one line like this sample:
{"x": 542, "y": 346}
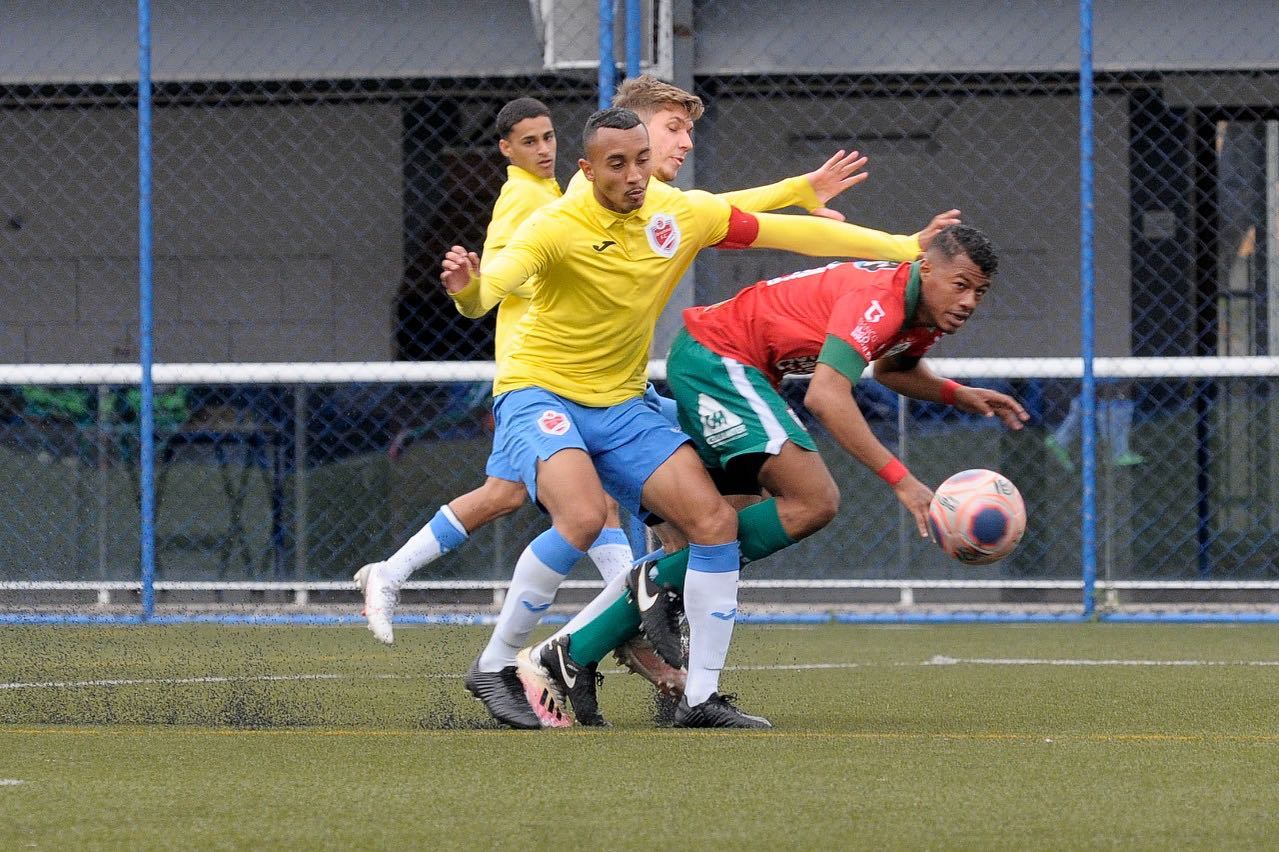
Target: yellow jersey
{"x": 604, "y": 278}
{"x": 521, "y": 195}
{"x": 791, "y": 192}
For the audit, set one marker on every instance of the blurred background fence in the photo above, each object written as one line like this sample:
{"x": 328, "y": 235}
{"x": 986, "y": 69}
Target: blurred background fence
{"x": 310, "y": 166}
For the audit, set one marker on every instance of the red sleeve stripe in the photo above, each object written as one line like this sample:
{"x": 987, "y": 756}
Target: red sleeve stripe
{"x": 743, "y": 228}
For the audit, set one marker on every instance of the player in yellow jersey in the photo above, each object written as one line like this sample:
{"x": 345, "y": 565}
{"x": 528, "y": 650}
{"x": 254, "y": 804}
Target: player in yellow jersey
{"x": 527, "y": 139}
{"x": 569, "y": 391}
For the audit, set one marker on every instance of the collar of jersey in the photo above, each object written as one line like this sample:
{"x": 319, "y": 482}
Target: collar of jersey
{"x": 514, "y": 172}
{"x": 607, "y": 218}
{"x": 912, "y": 293}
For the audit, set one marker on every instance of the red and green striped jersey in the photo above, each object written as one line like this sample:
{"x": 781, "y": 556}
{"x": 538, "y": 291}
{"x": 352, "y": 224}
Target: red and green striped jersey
{"x": 843, "y": 314}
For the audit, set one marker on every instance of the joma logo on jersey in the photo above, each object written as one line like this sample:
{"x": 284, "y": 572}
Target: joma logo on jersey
{"x": 875, "y": 312}
{"x": 719, "y": 425}
{"x": 663, "y": 234}
{"x": 553, "y": 422}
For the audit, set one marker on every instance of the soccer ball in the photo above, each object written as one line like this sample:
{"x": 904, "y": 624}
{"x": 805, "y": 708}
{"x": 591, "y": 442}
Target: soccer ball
{"x": 977, "y": 516}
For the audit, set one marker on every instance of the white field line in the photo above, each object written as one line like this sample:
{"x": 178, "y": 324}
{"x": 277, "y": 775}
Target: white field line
{"x": 11, "y": 782}
{"x": 938, "y": 660}
{"x": 178, "y": 681}
{"x": 941, "y": 660}
{"x": 792, "y": 667}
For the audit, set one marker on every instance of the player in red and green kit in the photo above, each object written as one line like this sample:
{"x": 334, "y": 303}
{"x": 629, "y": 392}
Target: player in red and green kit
{"x": 724, "y": 370}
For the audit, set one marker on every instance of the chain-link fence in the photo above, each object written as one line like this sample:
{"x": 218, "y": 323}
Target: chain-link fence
{"x": 311, "y": 167}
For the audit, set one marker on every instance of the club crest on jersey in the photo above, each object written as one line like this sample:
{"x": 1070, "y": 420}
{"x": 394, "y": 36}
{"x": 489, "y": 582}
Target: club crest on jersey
{"x": 553, "y": 422}
{"x": 663, "y": 234}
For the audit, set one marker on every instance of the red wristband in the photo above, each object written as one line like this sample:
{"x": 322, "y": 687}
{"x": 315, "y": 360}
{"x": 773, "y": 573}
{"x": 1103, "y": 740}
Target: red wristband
{"x": 893, "y": 472}
{"x": 948, "y": 388}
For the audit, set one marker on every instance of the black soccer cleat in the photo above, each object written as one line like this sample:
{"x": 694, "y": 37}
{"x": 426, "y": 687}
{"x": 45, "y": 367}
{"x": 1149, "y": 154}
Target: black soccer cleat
{"x": 659, "y": 608}
{"x": 502, "y": 695}
{"x": 718, "y": 711}
{"x": 576, "y": 682}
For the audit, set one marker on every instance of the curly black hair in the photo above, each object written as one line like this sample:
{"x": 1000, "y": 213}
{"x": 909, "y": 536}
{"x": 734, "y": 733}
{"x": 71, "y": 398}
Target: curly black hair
{"x": 967, "y": 240}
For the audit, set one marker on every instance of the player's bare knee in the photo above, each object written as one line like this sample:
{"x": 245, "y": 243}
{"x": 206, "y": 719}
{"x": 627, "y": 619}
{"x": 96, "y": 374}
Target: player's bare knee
{"x": 826, "y": 504}
{"x": 505, "y": 497}
{"x": 812, "y": 511}
{"x": 717, "y": 524}
{"x": 613, "y": 517}
{"x": 581, "y": 524}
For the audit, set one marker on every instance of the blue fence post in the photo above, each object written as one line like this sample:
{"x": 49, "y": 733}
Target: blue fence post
{"x": 634, "y": 44}
{"x": 146, "y": 425}
{"x": 1087, "y": 330}
{"x": 607, "y": 77}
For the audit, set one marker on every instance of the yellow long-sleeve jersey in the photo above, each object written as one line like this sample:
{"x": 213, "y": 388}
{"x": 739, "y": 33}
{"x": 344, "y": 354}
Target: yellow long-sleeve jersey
{"x": 603, "y": 279}
{"x": 522, "y": 194}
{"x": 791, "y": 192}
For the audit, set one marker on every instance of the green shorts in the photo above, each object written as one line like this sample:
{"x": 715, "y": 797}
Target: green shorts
{"x": 728, "y": 408}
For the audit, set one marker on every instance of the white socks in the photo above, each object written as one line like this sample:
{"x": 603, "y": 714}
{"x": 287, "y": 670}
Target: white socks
{"x": 538, "y": 574}
{"x": 613, "y": 590}
{"x": 611, "y": 553}
{"x": 710, "y": 603}
{"x": 442, "y": 534}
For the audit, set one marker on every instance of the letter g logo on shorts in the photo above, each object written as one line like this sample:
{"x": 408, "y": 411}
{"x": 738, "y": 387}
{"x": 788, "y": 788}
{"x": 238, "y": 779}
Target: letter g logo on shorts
{"x": 553, "y": 422}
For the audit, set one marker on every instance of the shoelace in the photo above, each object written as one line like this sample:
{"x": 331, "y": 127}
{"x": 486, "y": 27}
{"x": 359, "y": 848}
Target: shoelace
{"x": 729, "y": 699}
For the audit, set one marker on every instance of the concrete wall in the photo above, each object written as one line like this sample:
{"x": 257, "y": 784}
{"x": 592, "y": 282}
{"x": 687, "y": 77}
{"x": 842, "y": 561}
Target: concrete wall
{"x": 272, "y": 242}
{"x": 1009, "y": 163}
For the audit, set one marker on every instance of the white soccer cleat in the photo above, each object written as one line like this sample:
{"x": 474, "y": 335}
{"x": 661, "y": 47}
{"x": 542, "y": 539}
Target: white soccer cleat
{"x": 380, "y": 598}
{"x": 543, "y": 694}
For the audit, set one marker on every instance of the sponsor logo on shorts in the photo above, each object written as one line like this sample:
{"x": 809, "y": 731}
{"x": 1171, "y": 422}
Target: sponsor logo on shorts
{"x": 553, "y": 422}
{"x": 719, "y": 425}
{"x": 663, "y": 234}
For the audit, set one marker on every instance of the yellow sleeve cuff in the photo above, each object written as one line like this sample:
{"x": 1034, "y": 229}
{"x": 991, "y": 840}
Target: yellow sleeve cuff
{"x": 469, "y": 300}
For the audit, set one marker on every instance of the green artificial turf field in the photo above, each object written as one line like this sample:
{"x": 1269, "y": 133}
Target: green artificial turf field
{"x": 977, "y": 737}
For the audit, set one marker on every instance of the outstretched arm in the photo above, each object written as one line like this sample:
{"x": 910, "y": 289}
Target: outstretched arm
{"x": 811, "y": 191}
{"x": 912, "y": 377}
{"x": 830, "y": 399}
{"x": 817, "y": 237}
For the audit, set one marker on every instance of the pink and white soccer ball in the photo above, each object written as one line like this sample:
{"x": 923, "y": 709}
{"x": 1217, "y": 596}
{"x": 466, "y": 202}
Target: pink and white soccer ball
{"x": 977, "y": 516}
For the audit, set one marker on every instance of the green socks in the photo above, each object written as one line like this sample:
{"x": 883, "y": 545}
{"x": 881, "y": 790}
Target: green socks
{"x": 758, "y": 528}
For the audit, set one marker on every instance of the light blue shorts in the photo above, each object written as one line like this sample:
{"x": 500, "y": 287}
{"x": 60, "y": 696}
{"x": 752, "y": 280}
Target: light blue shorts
{"x": 663, "y": 405}
{"x": 499, "y": 468}
{"x": 626, "y": 442}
